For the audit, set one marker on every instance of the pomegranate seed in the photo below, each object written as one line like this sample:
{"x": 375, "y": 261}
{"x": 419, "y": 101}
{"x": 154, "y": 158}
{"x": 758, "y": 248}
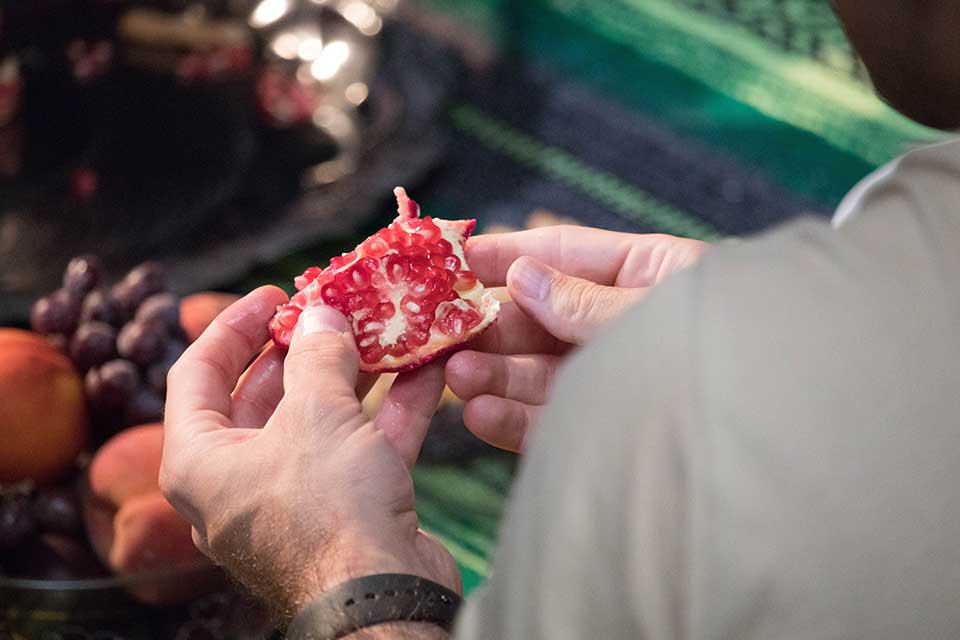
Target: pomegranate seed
{"x": 354, "y": 303}
{"x": 385, "y": 310}
{"x": 308, "y": 276}
{"x": 399, "y": 349}
{"x": 371, "y": 325}
{"x": 444, "y": 247}
{"x": 372, "y": 354}
{"x": 451, "y": 263}
{"x": 417, "y": 338}
{"x": 378, "y": 247}
{"x": 466, "y": 280}
{"x": 342, "y": 261}
{"x": 365, "y": 341}
{"x": 330, "y": 293}
{"x": 422, "y": 288}
{"x": 416, "y": 251}
{"x": 397, "y": 269}
{"x": 359, "y": 277}
{"x": 422, "y": 321}
{"x": 411, "y": 306}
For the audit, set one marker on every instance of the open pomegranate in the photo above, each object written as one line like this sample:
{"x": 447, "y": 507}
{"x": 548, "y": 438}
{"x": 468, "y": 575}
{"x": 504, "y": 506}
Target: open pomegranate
{"x": 407, "y": 290}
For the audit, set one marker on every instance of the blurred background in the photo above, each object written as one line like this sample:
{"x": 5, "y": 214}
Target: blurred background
{"x": 238, "y": 142}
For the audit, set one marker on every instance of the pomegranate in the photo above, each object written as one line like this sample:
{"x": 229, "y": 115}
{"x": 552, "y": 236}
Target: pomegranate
{"x": 407, "y": 290}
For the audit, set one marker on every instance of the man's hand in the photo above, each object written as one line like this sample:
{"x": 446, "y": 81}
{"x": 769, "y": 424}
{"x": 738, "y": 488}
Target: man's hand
{"x": 566, "y": 282}
{"x": 286, "y": 483}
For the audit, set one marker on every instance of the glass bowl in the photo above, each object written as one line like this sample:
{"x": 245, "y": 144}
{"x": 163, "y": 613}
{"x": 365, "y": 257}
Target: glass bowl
{"x": 115, "y": 608}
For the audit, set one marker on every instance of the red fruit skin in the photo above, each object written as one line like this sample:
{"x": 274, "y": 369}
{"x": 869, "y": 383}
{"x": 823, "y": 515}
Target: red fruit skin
{"x": 407, "y": 290}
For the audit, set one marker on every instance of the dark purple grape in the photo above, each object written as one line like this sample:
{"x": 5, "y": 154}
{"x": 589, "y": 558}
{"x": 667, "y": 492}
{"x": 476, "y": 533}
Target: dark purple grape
{"x": 16, "y": 520}
{"x": 142, "y": 343}
{"x": 83, "y": 274}
{"x": 161, "y": 308}
{"x": 149, "y": 274}
{"x": 111, "y": 386}
{"x": 157, "y": 373}
{"x": 57, "y": 511}
{"x": 142, "y": 282}
{"x": 94, "y": 343}
{"x": 99, "y": 305}
{"x": 145, "y": 406}
{"x": 56, "y": 313}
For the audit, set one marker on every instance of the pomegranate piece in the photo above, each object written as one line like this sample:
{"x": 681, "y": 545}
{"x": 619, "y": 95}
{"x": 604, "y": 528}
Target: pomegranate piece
{"x": 407, "y": 290}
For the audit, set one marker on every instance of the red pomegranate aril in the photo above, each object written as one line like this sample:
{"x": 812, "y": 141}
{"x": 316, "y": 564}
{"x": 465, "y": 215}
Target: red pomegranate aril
{"x": 399, "y": 348}
{"x": 451, "y": 263}
{"x": 366, "y": 341}
{"x": 422, "y": 321}
{"x": 418, "y": 338}
{"x": 401, "y": 290}
{"x": 397, "y": 268}
{"x": 371, "y": 325}
{"x": 417, "y": 307}
{"x": 378, "y": 248}
{"x": 359, "y": 277}
{"x": 308, "y": 276}
{"x": 373, "y": 354}
{"x": 331, "y": 294}
{"x": 384, "y": 311}
{"x": 344, "y": 260}
{"x": 466, "y": 280}
{"x": 299, "y": 299}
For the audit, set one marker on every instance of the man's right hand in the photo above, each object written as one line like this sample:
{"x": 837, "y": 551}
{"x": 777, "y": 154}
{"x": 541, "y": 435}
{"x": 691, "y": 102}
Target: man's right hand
{"x": 565, "y": 282}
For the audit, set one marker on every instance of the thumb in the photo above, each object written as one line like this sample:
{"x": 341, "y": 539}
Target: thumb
{"x": 572, "y": 309}
{"x": 321, "y": 368}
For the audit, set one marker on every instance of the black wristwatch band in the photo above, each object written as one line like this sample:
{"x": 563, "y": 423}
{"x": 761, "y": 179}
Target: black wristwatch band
{"x": 372, "y": 600}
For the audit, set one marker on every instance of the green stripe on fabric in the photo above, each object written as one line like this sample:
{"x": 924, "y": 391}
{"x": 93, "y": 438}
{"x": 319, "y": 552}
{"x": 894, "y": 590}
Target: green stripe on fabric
{"x": 469, "y": 536}
{"x": 796, "y": 159}
{"x": 473, "y": 568}
{"x": 785, "y": 86}
{"x": 612, "y": 192}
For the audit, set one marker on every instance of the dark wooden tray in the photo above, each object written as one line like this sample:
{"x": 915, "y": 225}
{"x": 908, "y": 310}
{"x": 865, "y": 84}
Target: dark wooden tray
{"x": 192, "y": 178}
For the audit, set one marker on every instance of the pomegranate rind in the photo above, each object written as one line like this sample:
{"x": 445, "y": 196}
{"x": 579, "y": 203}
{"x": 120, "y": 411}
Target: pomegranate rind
{"x": 407, "y": 291}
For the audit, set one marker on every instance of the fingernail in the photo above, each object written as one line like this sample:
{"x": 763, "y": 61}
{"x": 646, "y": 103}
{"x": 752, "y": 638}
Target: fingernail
{"x": 532, "y": 278}
{"x": 322, "y": 318}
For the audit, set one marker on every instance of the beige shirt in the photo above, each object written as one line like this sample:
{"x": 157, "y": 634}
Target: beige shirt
{"x": 768, "y": 447}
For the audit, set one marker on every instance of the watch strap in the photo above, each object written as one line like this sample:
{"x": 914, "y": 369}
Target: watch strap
{"x": 372, "y": 600}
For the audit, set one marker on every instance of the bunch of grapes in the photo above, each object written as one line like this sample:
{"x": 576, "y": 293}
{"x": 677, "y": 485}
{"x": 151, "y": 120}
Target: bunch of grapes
{"x": 26, "y": 511}
{"x": 122, "y": 338}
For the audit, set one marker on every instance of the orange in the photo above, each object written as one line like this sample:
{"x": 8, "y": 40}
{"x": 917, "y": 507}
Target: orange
{"x": 43, "y": 418}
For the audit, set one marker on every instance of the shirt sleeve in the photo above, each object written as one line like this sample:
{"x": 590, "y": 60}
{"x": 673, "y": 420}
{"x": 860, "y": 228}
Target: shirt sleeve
{"x": 595, "y": 541}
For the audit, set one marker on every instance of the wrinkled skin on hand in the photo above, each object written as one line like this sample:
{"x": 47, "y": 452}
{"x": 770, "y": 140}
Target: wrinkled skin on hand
{"x": 286, "y": 484}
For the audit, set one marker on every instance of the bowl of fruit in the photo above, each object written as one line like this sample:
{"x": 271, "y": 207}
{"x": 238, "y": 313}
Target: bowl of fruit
{"x": 88, "y": 545}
